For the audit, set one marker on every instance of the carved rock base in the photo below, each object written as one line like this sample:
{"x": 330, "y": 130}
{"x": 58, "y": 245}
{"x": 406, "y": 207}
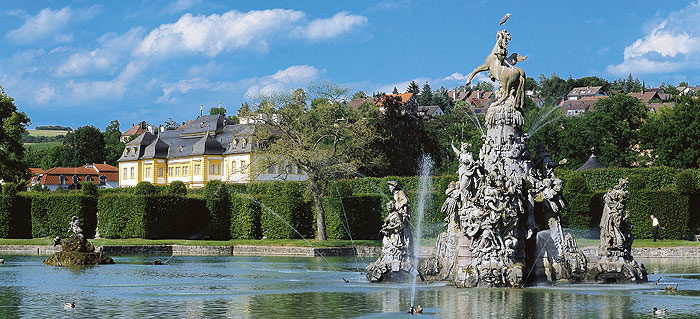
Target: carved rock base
{"x": 619, "y": 272}
{"x": 381, "y": 271}
{"x": 77, "y": 251}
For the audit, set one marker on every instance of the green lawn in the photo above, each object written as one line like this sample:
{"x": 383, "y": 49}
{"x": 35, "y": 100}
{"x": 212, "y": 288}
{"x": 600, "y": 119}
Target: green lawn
{"x": 46, "y": 132}
{"x": 41, "y": 146}
{"x": 264, "y": 242}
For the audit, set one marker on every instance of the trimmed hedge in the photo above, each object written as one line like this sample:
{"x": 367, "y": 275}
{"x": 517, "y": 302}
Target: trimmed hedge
{"x": 285, "y": 205}
{"x": 15, "y": 217}
{"x": 670, "y": 207}
{"x": 51, "y": 213}
{"x": 245, "y": 217}
{"x": 156, "y": 216}
{"x": 218, "y": 203}
{"x": 362, "y": 214}
{"x": 604, "y": 179}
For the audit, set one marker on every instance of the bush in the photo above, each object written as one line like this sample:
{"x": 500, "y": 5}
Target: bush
{"x": 177, "y": 188}
{"x": 218, "y": 204}
{"x": 15, "y": 217}
{"x": 670, "y": 207}
{"x": 89, "y": 189}
{"x": 576, "y": 184}
{"x": 362, "y": 214}
{"x": 285, "y": 205}
{"x": 636, "y": 182}
{"x": 604, "y": 179}
{"x": 52, "y": 213}
{"x": 685, "y": 182}
{"x": 155, "y": 216}
{"x": 144, "y": 188}
{"x": 245, "y": 217}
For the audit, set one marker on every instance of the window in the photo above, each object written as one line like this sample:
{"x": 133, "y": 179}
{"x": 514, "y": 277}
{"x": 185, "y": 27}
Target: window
{"x": 177, "y": 171}
{"x": 299, "y": 171}
{"x": 160, "y": 172}
{"x": 171, "y": 170}
{"x": 290, "y": 169}
{"x": 132, "y": 173}
{"x": 233, "y": 166}
{"x": 244, "y": 143}
{"x": 185, "y": 170}
{"x": 243, "y": 167}
{"x": 124, "y": 173}
{"x": 271, "y": 169}
{"x": 148, "y": 172}
{"x": 214, "y": 169}
{"x": 197, "y": 169}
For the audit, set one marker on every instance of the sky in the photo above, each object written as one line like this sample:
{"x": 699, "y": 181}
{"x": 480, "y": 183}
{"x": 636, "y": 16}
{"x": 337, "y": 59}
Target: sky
{"x": 79, "y": 63}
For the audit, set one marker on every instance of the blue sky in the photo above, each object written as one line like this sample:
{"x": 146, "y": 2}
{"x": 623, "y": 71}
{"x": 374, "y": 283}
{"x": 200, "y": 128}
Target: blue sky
{"x": 80, "y": 63}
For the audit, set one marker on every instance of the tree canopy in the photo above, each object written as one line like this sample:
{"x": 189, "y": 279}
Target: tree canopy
{"x": 13, "y": 125}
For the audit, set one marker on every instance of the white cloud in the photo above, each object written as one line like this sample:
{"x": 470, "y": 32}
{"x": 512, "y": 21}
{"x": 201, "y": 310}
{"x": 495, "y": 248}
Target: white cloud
{"x": 670, "y": 45}
{"x": 215, "y": 33}
{"x": 50, "y": 22}
{"x": 283, "y": 80}
{"x": 182, "y": 87}
{"x": 341, "y": 22}
{"x": 112, "y": 48}
{"x": 233, "y": 30}
{"x": 45, "y": 94}
{"x": 114, "y": 89}
{"x": 181, "y": 5}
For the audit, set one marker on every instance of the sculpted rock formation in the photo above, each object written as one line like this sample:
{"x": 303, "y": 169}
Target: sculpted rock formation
{"x": 76, "y": 250}
{"x": 616, "y": 263}
{"x": 396, "y": 262}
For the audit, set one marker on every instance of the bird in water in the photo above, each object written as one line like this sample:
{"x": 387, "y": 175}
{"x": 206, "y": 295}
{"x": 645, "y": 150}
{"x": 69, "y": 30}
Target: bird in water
{"x": 504, "y": 19}
{"x": 69, "y": 305}
{"x": 346, "y": 281}
{"x": 415, "y": 310}
{"x": 671, "y": 288}
{"x": 659, "y": 311}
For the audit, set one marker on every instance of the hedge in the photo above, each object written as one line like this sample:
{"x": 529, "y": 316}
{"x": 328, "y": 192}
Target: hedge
{"x": 362, "y": 214}
{"x": 604, "y": 179}
{"x": 218, "y": 203}
{"x": 245, "y": 217}
{"x": 15, "y": 216}
{"x": 155, "y": 216}
{"x": 51, "y": 213}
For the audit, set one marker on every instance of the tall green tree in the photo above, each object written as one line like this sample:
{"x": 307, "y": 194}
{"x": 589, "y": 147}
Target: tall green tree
{"x": 323, "y": 139}
{"x": 113, "y": 146}
{"x": 426, "y": 95}
{"x": 217, "y": 110}
{"x": 12, "y": 125}
{"x": 673, "y": 135}
{"x": 84, "y": 145}
{"x": 413, "y": 88}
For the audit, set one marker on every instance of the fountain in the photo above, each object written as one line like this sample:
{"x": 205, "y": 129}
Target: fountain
{"x": 76, "y": 250}
{"x": 492, "y": 236}
{"x": 397, "y": 261}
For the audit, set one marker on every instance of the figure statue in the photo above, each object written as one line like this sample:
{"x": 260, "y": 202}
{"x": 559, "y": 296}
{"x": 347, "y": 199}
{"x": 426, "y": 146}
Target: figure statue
{"x": 75, "y": 227}
{"x": 543, "y": 162}
{"x": 76, "y": 250}
{"x": 511, "y": 79}
{"x": 468, "y": 171}
{"x": 396, "y": 262}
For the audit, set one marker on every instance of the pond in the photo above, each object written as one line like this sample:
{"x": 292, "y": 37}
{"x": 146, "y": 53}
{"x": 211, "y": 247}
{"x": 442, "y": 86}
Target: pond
{"x": 275, "y": 287}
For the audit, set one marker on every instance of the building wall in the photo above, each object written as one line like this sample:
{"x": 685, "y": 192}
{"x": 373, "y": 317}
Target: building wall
{"x": 126, "y": 177}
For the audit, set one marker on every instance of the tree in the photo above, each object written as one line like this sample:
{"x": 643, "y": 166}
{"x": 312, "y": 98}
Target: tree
{"x": 217, "y": 110}
{"x": 84, "y": 145}
{"x": 395, "y": 91}
{"x": 244, "y": 110}
{"x": 683, "y": 83}
{"x": 442, "y": 99}
{"x": 626, "y": 85}
{"x": 426, "y": 95}
{"x": 413, "y": 88}
{"x": 12, "y": 125}
{"x": 673, "y": 135}
{"x": 459, "y": 126}
{"x": 484, "y": 86}
{"x": 323, "y": 139}
{"x": 113, "y": 145}
{"x": 170, "y": 124}
{"x": 553, "y": 87}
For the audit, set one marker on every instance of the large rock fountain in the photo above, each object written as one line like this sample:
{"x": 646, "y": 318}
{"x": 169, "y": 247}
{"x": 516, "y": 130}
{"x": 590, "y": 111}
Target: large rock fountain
{"x": 396, "y": 263}
{"x": 493, "y": 237}
{"x": 76, "y": 250}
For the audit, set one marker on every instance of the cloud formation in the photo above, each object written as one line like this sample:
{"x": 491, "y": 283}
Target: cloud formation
{"x": 48, "y": 23}
{"x": 233, "y": 30}
{"x": 671, "y": 45}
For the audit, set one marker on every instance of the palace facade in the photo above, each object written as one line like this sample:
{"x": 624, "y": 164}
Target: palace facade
{"x": 207, "y": 148}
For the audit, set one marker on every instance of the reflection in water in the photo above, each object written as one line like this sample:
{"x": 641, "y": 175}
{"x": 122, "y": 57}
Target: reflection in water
{"x": 274, "y": 287}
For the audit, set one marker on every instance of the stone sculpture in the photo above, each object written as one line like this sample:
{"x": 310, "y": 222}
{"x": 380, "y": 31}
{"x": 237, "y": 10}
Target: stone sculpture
{"x": 76, "y": 250}
{"x": 616, "y": 262}
{"x": 397, "y": 260}
{"x": 491, "y": 208}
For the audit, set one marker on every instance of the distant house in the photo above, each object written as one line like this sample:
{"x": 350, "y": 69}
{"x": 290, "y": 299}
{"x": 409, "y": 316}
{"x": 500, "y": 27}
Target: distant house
{"x": 428, "y": 112}
{"x": 458, "y": 95}
{"x": 408, "y": 100}
{"x": 106, "y": 176}
{"x": 578, "y": 93}
{"x": 646, "y": 96}
{"x": 689, "y": 90}
{"x": 135, "y": 129}
{"x": 481, "y": 99}
{"x": 579, "y": 106}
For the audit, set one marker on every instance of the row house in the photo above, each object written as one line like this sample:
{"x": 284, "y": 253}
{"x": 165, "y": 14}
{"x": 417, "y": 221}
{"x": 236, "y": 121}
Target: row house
{"x": 104, "y": 175}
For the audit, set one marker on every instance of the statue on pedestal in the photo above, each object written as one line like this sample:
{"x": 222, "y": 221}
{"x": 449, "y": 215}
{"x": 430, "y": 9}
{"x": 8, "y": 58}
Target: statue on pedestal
{"x": 76, "y": 250}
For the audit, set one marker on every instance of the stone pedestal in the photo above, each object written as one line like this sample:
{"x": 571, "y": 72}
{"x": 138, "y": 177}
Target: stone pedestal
{"x": 77, "y": 251}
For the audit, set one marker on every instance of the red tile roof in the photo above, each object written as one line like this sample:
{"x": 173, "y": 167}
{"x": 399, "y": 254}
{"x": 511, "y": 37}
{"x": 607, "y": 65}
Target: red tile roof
{"x": 52, "y": 175}
{"x": 136, "y": 129}
{"x": 405, "y": 97}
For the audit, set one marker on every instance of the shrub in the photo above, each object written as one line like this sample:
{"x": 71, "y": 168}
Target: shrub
{"x": 144, "y": 188}
{"x": 245, "y": 217}
{"x": 89, "y": 189}
{"x": 177, "y": 188}
{"x": 15, "y": 217}
{"x": 52, "y": 213}
{"x": 362, "y": 214}
{"x": 685, "y": 182}
{"x": 670, "y": 207}
{"x": 285, "y": 205}
{"x": 636, "y": 182}
{"x": 218, "y": 204}
{"x": 576, "y": 184}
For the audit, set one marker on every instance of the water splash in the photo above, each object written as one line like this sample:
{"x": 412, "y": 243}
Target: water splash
{"x": 538, "y": 122}
{"x": 346, "y": 226}
{"x": 475, "y": 120}
{"x": 425, "y": 171}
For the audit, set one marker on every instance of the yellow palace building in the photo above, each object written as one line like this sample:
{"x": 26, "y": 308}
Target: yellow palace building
{"x": 207, "y": 148}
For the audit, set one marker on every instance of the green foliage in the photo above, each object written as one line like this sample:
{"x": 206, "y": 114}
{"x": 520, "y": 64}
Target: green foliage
{"x": 84, "y": 145}
{"x": 52, "y": 213}
{"x": 113, "y": 145}
{"x": 636, "y": 182}
{"x": 362, "y": 214}
{"x": 89, "y": 189}
{"x": 584, "y": 211}
{"x": 285, "y": 205}
{"x": 576, "y": 184}
{"x": 218, "y": 204}
{"x": 12, "y": 126}
{"x": 38, "y": 188}
{"x": 217, "y": 111}
{"x": 686, "y": 182}
{"x": 144, "y": 188}
{"x": 604, "y": 179}
{"x": 413, "y": 88}
{"x": 673, "y": 134}
{"x": 15, "y": 216}
{"x": 670, "y": 207}
{"x": 245, "y": 217}
{"x": 152, "y": 216}
{"x": 177, "y": 188}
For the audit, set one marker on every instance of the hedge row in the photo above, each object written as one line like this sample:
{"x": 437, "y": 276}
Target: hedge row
{"x": 604, "y": 179}
{"x": 51, "y": 213}
{"x": 155, "y": 216}
{"x": 15, "y": 217}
